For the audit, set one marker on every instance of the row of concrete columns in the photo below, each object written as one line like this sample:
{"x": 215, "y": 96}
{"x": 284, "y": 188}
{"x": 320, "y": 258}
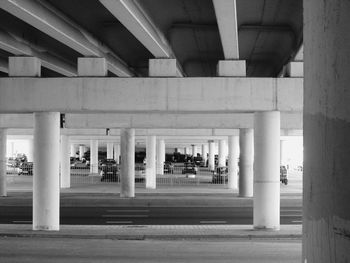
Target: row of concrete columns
{"x": 46, "y": 180}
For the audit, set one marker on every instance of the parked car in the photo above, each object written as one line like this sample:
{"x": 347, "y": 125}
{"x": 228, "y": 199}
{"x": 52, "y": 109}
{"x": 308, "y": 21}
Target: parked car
{"x": 283, "y": 174}
{"x": 10, "y": 169}
{"x": 168, "y": 168}
{"x": 220, "y": 175}
{"x": 109, "y": 170}
{"x": 189, "y": 168}
{"x": 140, "y": 173}
{"x": 26, "y": 168}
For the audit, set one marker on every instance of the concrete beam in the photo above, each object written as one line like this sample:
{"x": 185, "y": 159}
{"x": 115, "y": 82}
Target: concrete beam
{"x": 226, "y": 15}
{"x": 54, "y": 23}
{"x": 19, "y": 47}
{"x": 154, "y": 121}
{"x": 164, "y": 133}
{"x": 140, "y": 24}
{"x": 151, "y": 95}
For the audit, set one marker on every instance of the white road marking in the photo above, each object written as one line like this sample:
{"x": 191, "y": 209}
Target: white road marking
{"x": 127, "y": 211}
{"x": 119, "y": 222}
{"x": 212, "y": 222}
{"x": 124, "y": 215}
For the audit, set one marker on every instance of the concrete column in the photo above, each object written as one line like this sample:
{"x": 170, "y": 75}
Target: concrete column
{"x": 81, "y": 151}
{"x": 3, "y": 181}
{"x": 185, "y": 150}
{"x": 222, "y": 153}
{"x": 246, "y": 160}
{"x": 211, "y": 161}
{"x": 65, "y": 162}
{"x": 233, "y": 155}
{"x": 267, "y": 127}
{"x": 30, "y": 154}
{"x": 204, "y": 153}
{"x": 127, "y": 149}
{"x": 160, "y": 156}
{"x": 109, "y": 150}
{"x": 282, "y": 144}
{"x": 94, "y": 156}
{"x": 194, "y": 152}
{"x": 46, "y": 190}
{"x": 151, "y": 162}
{"x": 12, "y": 149}
{"x": 116, "y": 148}
{"x": 326, "y": 185}
{"x": 72, "y": 150}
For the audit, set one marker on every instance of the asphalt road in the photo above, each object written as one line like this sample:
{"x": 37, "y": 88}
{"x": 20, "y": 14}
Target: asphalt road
{"x": 106, "y": 250}
{"x": 148, "y": 215}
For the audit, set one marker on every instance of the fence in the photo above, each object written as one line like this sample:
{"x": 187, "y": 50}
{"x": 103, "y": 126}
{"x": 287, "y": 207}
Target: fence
{"x": 174, "y": 174}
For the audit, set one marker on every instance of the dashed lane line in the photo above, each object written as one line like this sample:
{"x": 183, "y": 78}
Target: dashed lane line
{"x": 119, "y": 222}
{"x": 128, "y": 211}
{"x": 124, "y": 216}
{"x": 213, "y": 222}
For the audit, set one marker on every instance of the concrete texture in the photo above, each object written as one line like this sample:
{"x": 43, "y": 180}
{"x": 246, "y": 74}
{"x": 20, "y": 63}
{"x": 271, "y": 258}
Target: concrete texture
{"x": 326, "y": 222}
{"x": 169, "y": 95}
{"x": 216, "y": 122}
{"x": 170, "y": 232}
{"x": 148, "y": 251}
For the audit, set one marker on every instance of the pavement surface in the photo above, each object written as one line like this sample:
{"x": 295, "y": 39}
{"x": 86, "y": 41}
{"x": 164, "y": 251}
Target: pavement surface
{"x": 142, "y": 232}
{"x": 100, "y": 195}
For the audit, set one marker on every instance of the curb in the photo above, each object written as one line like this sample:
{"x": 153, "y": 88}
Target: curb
{"x": 155, "y": 237}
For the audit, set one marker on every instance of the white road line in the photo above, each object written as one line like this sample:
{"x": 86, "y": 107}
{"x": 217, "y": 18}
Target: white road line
{"x": 212, "y": 222}
{"x": 297, "y": 221}
{"x": 124, "y": 215}
{"x": 119, "y": 222}
{"x": 127, "y": 211}
{"x": 22, "y": 221}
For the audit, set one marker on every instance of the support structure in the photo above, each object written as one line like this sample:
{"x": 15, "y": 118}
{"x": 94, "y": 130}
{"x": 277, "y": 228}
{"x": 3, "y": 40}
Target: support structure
{"x": 233, "y": 155}
{"x": 211, "y": 161}
{"x": 94, "y": 156}
{"x": 3, "y": 178}
{"x": 151, "y": 162}
{"x": 46, "y": 190}
{"x": 109, "y": 150}
{"x": 222, "y": 153}
{"x": 205, "y": 153}
{"x": 246, "y": 160}
{"x": 266, "y": 212}
{"x": 116, "y": 148}
{"x": 160, "y": 156}
{"x": 326, "y": 195}
{"x": 127, "y": 175}
{"x": 65, "y": 162}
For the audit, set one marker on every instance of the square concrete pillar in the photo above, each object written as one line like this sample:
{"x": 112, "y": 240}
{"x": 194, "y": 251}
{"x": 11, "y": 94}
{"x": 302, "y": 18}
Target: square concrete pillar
{"x": 92, "y": 67}
{"x": 231, "y": 68}
{"x": 24, "y": 67}
{"x": 162, "y": 67}
{"x": 295, "y": 69}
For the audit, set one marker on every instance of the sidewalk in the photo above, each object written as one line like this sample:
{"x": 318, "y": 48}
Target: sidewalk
{"x": 166, "y": 232}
